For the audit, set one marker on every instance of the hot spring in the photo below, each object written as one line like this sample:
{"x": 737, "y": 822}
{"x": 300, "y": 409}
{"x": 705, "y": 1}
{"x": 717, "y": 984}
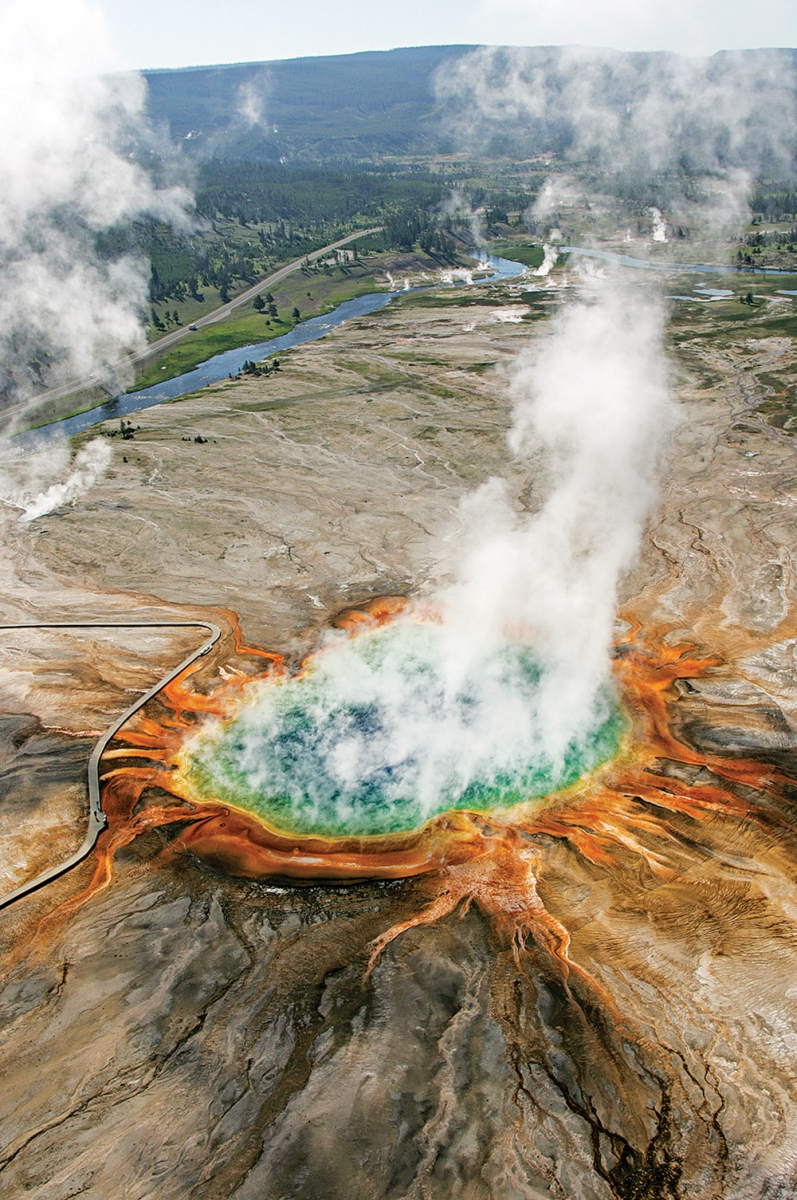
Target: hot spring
{"x": 383, "y": 730}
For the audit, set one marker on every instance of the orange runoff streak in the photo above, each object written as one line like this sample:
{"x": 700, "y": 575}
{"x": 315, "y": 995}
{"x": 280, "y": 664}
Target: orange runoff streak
{"x": 471, "y": 858}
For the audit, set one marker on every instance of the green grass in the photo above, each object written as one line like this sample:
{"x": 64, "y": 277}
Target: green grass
{"x": 724, "y": 322}
{"x": 725, "y": 328}
{"x": 245, "y": 326}
{"x": 530, "y": 256}
{"x": 189, "y": 310}
{"x": 239, "y": 329}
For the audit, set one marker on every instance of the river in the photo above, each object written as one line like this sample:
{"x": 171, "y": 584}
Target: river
{"x": 222, "y": 366}
{"x": 644, "y": 264}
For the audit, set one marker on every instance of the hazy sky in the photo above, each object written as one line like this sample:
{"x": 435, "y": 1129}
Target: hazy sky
{"x": 174, "y": 33}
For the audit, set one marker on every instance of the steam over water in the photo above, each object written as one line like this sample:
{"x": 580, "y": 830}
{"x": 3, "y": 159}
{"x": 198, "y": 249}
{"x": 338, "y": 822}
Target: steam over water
{"x": 508, "y": 698}
{"x": 382, "y": 732}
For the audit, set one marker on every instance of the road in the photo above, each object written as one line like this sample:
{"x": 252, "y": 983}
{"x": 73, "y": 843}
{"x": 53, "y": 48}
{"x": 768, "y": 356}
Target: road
{"x": 218, "y": 314}
{"x": 97, "y": 818}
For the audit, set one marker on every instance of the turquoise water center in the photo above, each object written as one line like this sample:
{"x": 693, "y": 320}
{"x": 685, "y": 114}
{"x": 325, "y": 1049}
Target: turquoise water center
{"x": 384, "y": 730}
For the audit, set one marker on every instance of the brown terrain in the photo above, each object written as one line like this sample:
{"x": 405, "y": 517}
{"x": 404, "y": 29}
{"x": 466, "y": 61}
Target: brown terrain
{"x": 614, "y": 1016}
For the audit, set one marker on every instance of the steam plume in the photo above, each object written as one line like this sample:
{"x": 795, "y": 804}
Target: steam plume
{"x": 592, "y": 402}
{"x": 429, "y": 727}
{"x": 659, "y": 226}
{"x": 506, "y": 698}
{"x": 550, "y": 256}
{"x": 700, "y": 127}
{"x": 39, "y": 483}
{"x": 253, "y": 96}
{"x": 89, "y": 465}
{"x": 66, "y": 173}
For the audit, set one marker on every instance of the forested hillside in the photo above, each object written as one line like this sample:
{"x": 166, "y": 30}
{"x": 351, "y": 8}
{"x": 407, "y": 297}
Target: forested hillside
{"x": 351, "y": 106}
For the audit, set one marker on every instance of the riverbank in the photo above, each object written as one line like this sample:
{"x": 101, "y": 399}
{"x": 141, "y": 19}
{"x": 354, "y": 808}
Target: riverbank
{"x": 229, "y": 363}
{"x": 247, "y": 326}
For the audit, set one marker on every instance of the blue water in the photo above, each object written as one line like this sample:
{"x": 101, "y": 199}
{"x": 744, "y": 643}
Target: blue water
{"x": 643, "y": 264}
{"x": 222, "y": 366}
{"x": 372, "y": 738}
{"x": 704, "y": 295}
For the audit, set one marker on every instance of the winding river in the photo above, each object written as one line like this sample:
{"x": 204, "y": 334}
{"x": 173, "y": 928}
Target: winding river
{"x": 222, "y": 366}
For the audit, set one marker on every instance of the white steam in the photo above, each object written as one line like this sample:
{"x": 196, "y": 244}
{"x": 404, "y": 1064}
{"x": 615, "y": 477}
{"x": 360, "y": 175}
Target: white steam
{"x": 591, "y": 401}
{"x": 430, "y": 719}
{"x": 66, "y": 174}
{"x": 701, "y": 127}
{"x": 550, "y": 256}
{"x": 593, "y": 398}
{"x": 659, "y": 226}
{"x": 29, "y": 486}
{"x": 253, "y": 97}
{"x": 631, "y": 110}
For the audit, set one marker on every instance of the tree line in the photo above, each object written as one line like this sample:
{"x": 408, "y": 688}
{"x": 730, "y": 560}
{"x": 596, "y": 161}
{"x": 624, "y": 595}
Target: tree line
{"x": 255, "y": 215}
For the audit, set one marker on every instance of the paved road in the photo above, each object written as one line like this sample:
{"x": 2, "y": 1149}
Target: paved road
{"x": 97, "y": 818}
{"x": 218, "y": 314}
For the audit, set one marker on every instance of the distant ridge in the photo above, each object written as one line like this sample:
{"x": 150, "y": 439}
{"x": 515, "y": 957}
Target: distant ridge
{"x": 348, "y": 106}
{"x": 342, "y": 108}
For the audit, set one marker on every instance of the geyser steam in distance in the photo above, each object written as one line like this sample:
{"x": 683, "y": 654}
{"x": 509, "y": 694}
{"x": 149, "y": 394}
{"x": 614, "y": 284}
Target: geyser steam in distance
{"x": 684, "y": 135}
{"x": 67, "y": 172}
{"x": 505, "y": 695}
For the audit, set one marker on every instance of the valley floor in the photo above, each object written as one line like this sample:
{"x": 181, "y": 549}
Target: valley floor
{"x": 181, "y": 1033}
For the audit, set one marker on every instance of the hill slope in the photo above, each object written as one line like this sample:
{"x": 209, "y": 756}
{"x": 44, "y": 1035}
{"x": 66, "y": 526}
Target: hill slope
{"x": 344, "y": 106}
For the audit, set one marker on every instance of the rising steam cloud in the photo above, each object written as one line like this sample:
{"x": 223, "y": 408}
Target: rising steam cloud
{"x": 51, "y": 478}
{"x": 89, "y": 465}
{"x": 699, "y": 128}
{"x": 591, "y": 402}
{"x": 420, "y": 729}
{"x": 505, "y": 697}
{"x": 67, "y": 173}
{"x": 253, "y": 96}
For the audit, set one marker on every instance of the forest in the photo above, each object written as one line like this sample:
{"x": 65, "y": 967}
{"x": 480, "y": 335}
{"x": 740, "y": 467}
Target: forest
{"x": 253, "y": 216}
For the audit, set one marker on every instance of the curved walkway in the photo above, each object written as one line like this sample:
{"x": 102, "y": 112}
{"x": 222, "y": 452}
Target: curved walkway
{"x": 97, "y": 818}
